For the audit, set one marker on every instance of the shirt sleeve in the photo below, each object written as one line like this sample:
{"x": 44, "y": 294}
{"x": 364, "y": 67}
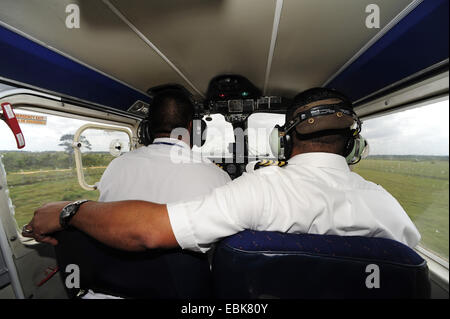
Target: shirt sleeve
{"x": 227, "y": 210}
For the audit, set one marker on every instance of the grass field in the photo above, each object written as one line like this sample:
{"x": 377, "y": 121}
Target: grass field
{"x": 29, "y": 190}
{"x": 421, "y": 187}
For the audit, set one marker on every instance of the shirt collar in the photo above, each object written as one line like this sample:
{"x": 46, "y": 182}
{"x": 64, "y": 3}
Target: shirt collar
{"x": 170, "y": 141}
{"x": 320, "y": 159}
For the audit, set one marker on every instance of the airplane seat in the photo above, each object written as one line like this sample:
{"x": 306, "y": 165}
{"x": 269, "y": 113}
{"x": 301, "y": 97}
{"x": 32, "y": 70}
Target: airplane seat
{"x": 265, "y": 264}
{"x": 156, "y": 274}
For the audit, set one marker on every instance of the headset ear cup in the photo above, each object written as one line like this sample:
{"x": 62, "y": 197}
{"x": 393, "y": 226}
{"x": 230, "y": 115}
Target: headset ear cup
{"x": 199, "y": 129}
{"x": 274, "y": 141}
{"x": 288, "y": 145}
{"x": 144, "y": 134}
{"x": 358, "y": 146}
{"x": 280, "y": 144}
{"x": 349, "y": 146}
{"x": 204, "y": 132}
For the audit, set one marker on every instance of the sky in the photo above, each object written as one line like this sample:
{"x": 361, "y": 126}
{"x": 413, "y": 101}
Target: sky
{"x": 420, "y": 131}
{"x": 47, "y": 137}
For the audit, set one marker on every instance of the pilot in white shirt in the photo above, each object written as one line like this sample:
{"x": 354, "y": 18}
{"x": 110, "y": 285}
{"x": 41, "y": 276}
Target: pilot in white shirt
{"x": 163, "y": 171}
{"x": 315, "y": 193}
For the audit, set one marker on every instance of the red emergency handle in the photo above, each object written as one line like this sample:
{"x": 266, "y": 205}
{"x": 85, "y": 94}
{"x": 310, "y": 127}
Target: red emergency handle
{"x": 10, "y": 118}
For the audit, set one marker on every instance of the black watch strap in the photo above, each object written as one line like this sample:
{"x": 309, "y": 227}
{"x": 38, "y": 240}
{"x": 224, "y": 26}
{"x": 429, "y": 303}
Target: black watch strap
{"x": 69, "y": 211}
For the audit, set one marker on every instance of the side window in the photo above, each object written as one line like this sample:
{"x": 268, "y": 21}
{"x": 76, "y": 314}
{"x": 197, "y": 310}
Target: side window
{"x": 44, "y": 170}
{"x": 409, "y": 157}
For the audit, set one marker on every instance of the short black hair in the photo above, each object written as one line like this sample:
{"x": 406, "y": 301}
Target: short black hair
{"x": 169, "y": 110}
{"x": 315, "y": 94}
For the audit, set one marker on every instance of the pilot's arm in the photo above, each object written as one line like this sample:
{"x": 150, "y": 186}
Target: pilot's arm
{"x": 140, "y": 225}
{"x": 127, "y": 225}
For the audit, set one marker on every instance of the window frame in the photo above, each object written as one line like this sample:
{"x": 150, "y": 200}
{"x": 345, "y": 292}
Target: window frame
{"x": 77, "y": 149}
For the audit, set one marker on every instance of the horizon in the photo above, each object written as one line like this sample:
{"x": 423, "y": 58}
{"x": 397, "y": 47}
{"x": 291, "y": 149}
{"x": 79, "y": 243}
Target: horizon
{"x": 401, "y": 133}
{"x": 106, "y": 152}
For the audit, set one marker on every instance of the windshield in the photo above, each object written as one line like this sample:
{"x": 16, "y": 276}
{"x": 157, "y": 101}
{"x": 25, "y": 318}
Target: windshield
{"x": 218, "y": 137}
{"x": 259, "y": 127}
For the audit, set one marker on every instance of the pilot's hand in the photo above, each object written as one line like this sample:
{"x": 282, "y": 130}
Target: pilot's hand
{"x": 44, "y": 223}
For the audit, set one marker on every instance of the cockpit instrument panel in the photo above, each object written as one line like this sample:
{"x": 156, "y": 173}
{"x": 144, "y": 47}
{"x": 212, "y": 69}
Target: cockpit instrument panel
{"x": 235, "y": 97}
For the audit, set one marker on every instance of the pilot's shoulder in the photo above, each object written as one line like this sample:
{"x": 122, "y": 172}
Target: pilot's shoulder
{"x": 207, "y": 169}
{"x": 124, "y": 160}
{"x": 125, "y": 156}
{"x": 257, "y": 165}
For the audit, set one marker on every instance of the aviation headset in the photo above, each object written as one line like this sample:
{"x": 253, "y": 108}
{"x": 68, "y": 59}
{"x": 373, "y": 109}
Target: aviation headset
{"x": 199, "y": 127}
{"x": 281, "y": 143}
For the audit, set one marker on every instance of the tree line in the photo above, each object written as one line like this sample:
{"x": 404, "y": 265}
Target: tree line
{"x": 16, "y": 161}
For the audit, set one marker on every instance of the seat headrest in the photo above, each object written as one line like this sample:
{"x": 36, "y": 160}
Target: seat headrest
{"x": 266, "y": 264}
{"x": 324, "y": 245}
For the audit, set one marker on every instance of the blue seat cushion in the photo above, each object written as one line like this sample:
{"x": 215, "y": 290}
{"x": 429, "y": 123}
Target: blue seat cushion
{"x": 254, "y": 264}
{"x": 324, "y": 245}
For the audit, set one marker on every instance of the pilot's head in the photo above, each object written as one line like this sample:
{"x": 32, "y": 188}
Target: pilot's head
{"x": 327, "y": 133}
{"x": 171, "y": 109}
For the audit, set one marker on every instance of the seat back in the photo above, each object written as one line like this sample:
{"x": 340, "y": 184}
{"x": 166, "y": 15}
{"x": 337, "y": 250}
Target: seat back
{"x": 165, "y": 274}
{"x": 278, "y": 265}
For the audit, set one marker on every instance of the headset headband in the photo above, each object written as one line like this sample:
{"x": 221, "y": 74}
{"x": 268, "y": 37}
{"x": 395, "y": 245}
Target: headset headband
{"x": 320, "y": 110}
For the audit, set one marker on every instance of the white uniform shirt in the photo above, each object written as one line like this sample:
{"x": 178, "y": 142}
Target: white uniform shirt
{"x": 162, "y": 172}
{"x": 315, "y": 193}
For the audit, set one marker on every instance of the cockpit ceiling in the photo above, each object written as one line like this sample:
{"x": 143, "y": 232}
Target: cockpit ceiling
{"x": 201, "y": 39}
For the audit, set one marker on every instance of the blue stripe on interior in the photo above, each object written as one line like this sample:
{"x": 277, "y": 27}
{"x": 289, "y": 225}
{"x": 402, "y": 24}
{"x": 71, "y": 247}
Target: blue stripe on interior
{"x": 28, "y": 62}
{"x": 417, "y": 42}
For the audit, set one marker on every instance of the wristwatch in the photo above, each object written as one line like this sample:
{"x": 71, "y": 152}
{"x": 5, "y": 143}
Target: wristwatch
{"x": 69, "y": 211}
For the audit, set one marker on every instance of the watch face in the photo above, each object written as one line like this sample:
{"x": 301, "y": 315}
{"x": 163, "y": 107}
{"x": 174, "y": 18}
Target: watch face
{"x": 67, "y": 211}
